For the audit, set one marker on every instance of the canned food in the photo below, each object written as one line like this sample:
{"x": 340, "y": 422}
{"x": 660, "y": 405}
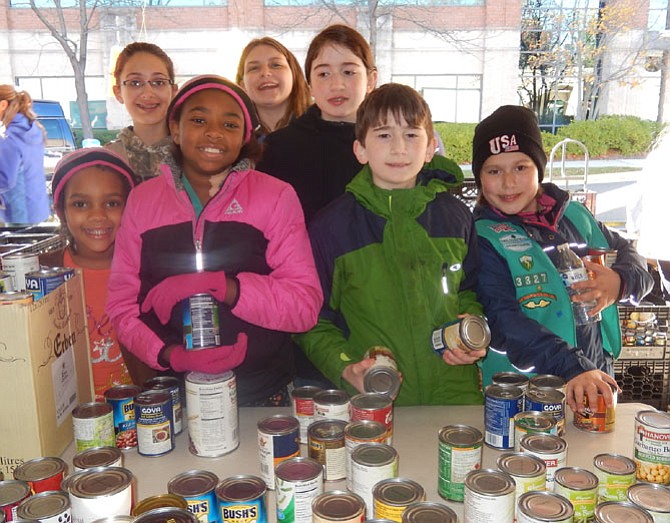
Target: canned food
{"x": 501, "y": 404}
{"x": 122, "y": 400}
{"x": 100, "y": 492}
{"x": 332, "y": 404}
{"x": 383, "y": 376}
{"x": 543, "y": 507}
{"x": 651, "y": 449}
{"x": 278, "y": 440}
{"x": 326, "y": 446}
{"x": 598, "y": 418}
{"x": 392, "y": 496}
{"x": 155, "y": 429}
{"x": 211, "y": 402}
{"x": 12, "y": 493}
{"x": 97, "y": 457}
{"x": 159, "y": 501}
{"x": 468, "y": 333}
{"x": 17, "y": 265}
{"x": 43, "y": 281}
{"x": 580, "y": 487}
{"x": 528, "y": 472}
{"x": 166, "y": 515}
{"x": 6, "y": 284}
{"x": 170, "y": 384}
{"x": 552, "y": 449}
{"x": 197, "y": 488}
{"x": 373, "y": 406}
{"x": 488, "y": 497}
{"x": 510, "y": 379}
{"x": 46, "y": 507}
{"x": 532, "y": 422}
{"x": 338, "y": 506}
{"x": 200, "y": 322}
{"x": 621, "y": 512}
{"x": 15, "y": 298}
{"x": 115, "y": 519}
{"x": 242, "y": 499}
{"x": 370, "y": 464}
{"x": 547, "y": 381}
{"x": 459, "y": 452}
{"x": 359, "y": 432}
{"x": 615, "y": 474}
{"x": 302, "y": 406}
{"x": 428, "y": 512}
{"x": 93, "y": 425}
{"x": 607, "y": 256}
{"x": 298, "y": 482}
{"x": 42, "y": 474}
{"x": 550, "y": 401}
{"x": 652, "y": 497}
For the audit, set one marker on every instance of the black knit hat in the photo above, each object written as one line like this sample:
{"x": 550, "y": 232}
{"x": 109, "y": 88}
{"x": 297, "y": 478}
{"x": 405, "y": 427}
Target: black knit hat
{"x": 200, "y": 83}
{"x": 510, "y": 128}
{"x": 81, "y": 159}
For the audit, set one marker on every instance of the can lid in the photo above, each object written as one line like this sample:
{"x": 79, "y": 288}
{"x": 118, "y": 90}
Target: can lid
{"x": 503, "y": 392}
{"x": 99, "y": 481}
{"x": 115, "y": 519}
{"x": 39, "y": 468}
{"x": 298, "y": 469}
{"x": 654, "y": 418}
{"x": 543, "y": 443}
{"x": 305, "y": 392}
{"x": 12, "y": 491}
{"x": 163, "y": 514}
{"x": 364, "y": 429}
{"x": 650, "y": 496}
{"x": 331, "y": 397}
{"x": 535, "y": 420}
{"x": 617, "y": 511}
{"x": 510, "y": 378}
{"x": 161, "y": 382}
{"x": 460, "y": 435}
{"x": 398, "y": 491}
{"x": 475, "y": 332}
{"x": 97, "y": 457}
{"x": 193, "y": 483}
{"x": 575, "y": 478}
{"x": 202, "y": 378}
{"x": 614, "y": 464}
{"x": 158, "y": 501}
{"x": 119, "y": 392}
{"x": 338, "y": 505}
{"x": 382, "y": 380}
{"x": 241, "y": 488}
{"x": 545, "y": 395}
{"x": 151, "y": 397}
{"x": 428, "y": 512}
{"x": 92, "y": 410}
{"x": 549, "y": 381}
{"x": 43, "y": 505}
{"x": 327, "y": 429}
{"x": 545, "y": 506}
{"x": 490, "y": 482}
{"x": 521, "y": 465}
{"x": 278, "y": 424}
{"x": 374, "y": 454}
{"x": 371, "y": 401}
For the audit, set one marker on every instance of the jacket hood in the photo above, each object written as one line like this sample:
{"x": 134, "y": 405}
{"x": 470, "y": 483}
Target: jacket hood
{"x": 562, "y": 199}
{"x": 22, "y": 129}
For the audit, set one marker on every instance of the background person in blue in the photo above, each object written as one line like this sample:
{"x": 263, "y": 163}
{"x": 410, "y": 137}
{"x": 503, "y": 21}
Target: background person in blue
{"x": 520, "y": 221}
{"x": 23, "y": 189}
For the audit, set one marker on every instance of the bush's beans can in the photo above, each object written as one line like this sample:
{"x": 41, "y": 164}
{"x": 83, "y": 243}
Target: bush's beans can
{"x": 459, "y": 452}
{"x": 652, "y": 497}
{"x": 392, "y": 496}
{"x": 6, "y": 284}
{"x": 359, "y": 432}
{"x": 155, "y": 429}
{"x": 510, "y": 379}
{"x": 326, "y": 446}
{"x": 338, "y": 506}
{"x": 200, "y": 322}
{"x": 100, "y": 492}
{"x": 550, "y": 401}
{"x": 501, "y": 404}
{"x": 374, "y": 406}
{"x": 302, "y": 405}
{"x": 547, "y": 381}
{"x": 543, "y": 507}
{"x": 12, "y": 493}
{"x": 615, "y": 474}
{"x": 197, "y": 488}
{"x": 41, "y": 282}
{"x": 529, "y": 472}
{"x": 170, "y": 384}
{"x": 211, "y": 403}
{"x": 122, "y": 400}
{"x": 18, "y": 265}
{"x": 469, "y": 333}
{"x": 159, "y": 501}
{"x": 488, "y": 497}
{"x": 383, "y": 376}
{"x": 652, "y": 449}
{"x": 46, "y": 507}
{"x": 598, "y": 418}
{"x": 278, "y": 440}
{"x": 370, "y": 464}
{"x": 621, "y": 512}
{"x": 532, "y": 422}
{"x": 97, "y": 457}
{"x": 42, "y": 474}
{"x": 298, "y": 481}
{"x": 332, "y": 404}
{"x": 427, "y": 512}
{"x": 580, "y": 487}
{"x": 548, "y": 447}
{"x": 166, "y": 515}
{"x": 93, "y": 425}
{"x": 242, "y": 500}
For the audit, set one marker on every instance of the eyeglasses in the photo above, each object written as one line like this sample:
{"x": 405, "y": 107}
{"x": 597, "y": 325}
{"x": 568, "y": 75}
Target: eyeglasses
{"x": 155, "y": 84}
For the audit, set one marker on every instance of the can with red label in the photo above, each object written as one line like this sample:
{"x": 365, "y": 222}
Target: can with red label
{"x": 42, "y": 474}
{"x": 374, "y": 406}
{"x": 155, "y": 429}
{"x": 122, "y": 400}
{"x": 302, "y": 404}
{"x": 12, "y": 493}
{"x": 197, "y": 488}
{"x": 278, "y": 440}
{"x": 46, "y": 507}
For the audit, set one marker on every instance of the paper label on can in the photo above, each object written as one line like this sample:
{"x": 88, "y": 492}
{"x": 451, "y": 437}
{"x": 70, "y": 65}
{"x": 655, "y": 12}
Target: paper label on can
{"x": 613, "y": 487}
{"x": 294, "y": 499}
{"x": 243, "y": 512}
{"x": 583, "y": 501}
{"x": 203, "y": 507}
{"x": 488, "y": 509}
{"x": 454, "y": 464}
{"x": 652, "y": 453}
{"x": 365, "y": 477}
{"x": 94, "y": 432}
{"x": 85, "y": 510}
{"x": 272, "y": 450}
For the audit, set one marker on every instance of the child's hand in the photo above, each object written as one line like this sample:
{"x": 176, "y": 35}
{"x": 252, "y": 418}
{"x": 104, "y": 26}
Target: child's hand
{"x": 590, "y": 384}
{"x": 211, "y": 361}
{"x": 603, "y": 287}
{"x": 354, "y": 373}
{"x": 462, "y": 357}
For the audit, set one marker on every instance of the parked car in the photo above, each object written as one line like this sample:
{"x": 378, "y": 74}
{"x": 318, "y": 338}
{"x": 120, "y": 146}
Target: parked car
{"x": 60, "y": 139}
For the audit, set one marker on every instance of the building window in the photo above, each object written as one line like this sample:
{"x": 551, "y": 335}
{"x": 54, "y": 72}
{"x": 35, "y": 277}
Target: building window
{"x": 398, "y": 3}
{"x": 657, "y": 15}
{"x": 71, "y": 4}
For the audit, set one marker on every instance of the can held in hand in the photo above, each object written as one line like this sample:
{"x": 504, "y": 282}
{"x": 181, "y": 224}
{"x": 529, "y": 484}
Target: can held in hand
{"x": 298, "y": 481}
{"x": 326, "y": 446}
{"x": 383, "y": 376}
{"x": 46, "y": 507}
{"x": 155, "y": 429}
{"x": 543, "y": 507}
{"x": 488, "y": 497}
{"x": 338, "y": 506}
{"x": 598, "y": 418}
{"x": 580, "y": 487}
{"x": 42, "y": 474}
{"x": 200, "y": 322}
{"x": 468, "y": 333}
{"x": 501, "y": 404}
{"x": 651, "y": 450}
{"x": 97, "y": 457}
{"x": 278, "y": 440}
{"x": 122, "y": 400}
{"x": 332, "y": 404}
{"x": 93, "y": 425}
{"x": 100, "y": 492}
{"x": 459, "y": 453}
{"x": 653, "y": 498}
{"x": 392, "y": 496}
{"x": 615, "y": 474}
{"x": 370, "y": 464}
{"x": 242, "y": 500}
{"x": 197, "y": 488}
{"x": 302, "y": 405}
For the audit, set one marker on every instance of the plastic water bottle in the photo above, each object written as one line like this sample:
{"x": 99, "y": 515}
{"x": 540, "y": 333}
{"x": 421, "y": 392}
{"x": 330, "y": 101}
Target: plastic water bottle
{"x": 572, "y": 270}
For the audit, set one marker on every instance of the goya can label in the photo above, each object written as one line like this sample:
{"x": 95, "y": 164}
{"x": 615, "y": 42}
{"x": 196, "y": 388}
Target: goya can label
{"x": 326, "y": 446}
{"x": 510, "y": 379}
{"x": 580, "y": 487}
{"x": 200, "y": 318}
{"x": 552, "y": 449}
{"x": 392, "y": 496}
{"x": 41, "y": 282}
{"x": 46, "y": 507}
{"x": 278, "y": 440}
{"x": 42, "y": 474}
{"x": 211, "y": 402}
{"x": 359, "y": 432}
{"x": 550, "y": 401}
{"x": 532, "y": 422}
{"x": 159, "y": 501}
{"x": 529, "y": 472}
{"x": 122, "y": 400}
{"x": 298, "y": 481}
{"x": 100, "y": 492}
{"x": 543, "y": 507}
{"x": 242, "y": 500}
{"x": 93, "y": 425}
{"x": 374, "y": 406}
{"x": 615, "y": 474}
{"x": 651, "y": 448}
{"x": 332, "y": 404}
{"x": 370, "y": 464}
{"x": 488, "y": 497}
{"x": 12, "y": 493}
{"x": 597, "y": 418}
{"x": 427, "y": 511}
{"x": 338, "y": 506}
{"x": 166, "y": 515}
{"x": 653, "y": 498}
{"x": 170, "y": 384}
{"x": 153, "y": 416}
{"x": 97, "y": 457}
{"x": 621, "y": 511}
{"x": 197, "y": 488}
{"x": 459, "y": 452}
{"x": 18, "y": 265}
{"x": 501, "y": 404}
{"x": 302, "y": 405}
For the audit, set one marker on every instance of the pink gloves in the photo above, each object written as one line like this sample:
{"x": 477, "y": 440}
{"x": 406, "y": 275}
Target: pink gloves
{"x": 164, "y": 296}
{"x": 211, "y": 361}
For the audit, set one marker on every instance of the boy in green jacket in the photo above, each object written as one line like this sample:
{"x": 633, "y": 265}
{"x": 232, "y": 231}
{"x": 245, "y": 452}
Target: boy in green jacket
{"x": 397, "y": 256}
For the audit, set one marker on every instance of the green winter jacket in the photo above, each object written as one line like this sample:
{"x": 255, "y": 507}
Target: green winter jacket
{"x": 381, "y": 256}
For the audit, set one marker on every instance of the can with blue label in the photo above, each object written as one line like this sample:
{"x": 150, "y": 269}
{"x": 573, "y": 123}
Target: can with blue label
{"x": 155, "y": 428}
{"x": 172, "y": 385}
{"x": 122, "y": 400}
{"x": 501, "y": 404}
{"x": 242, "y": 500}
{"x": 550, "y": 401}
{"x": 42, "y": 282}
{"x": 197, "y": 488}
{"x": 278, "y": 440}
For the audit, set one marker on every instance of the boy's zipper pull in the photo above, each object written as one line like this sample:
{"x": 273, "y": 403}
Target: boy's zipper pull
{"x": 199, "y": 266}
{"x": 445, "y": 284}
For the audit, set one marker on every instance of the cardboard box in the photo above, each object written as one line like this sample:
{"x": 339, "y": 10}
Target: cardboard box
{"x": 45, "y": 372}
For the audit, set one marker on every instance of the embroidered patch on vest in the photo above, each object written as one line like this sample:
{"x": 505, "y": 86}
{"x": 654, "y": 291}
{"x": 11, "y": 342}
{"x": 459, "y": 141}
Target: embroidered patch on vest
{"x": 516, "y": 243}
